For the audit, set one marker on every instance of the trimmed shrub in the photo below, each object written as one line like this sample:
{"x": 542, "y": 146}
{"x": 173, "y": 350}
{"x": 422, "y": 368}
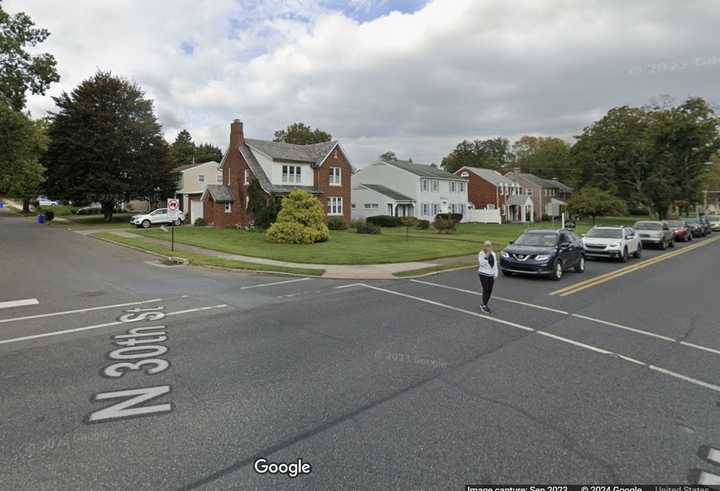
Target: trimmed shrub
{"x": 456, "y": 217}
{"x": 357, "y": 222}
{"x": 445, "y": 226}
{"x": 336, "y": 223}
{"x": 199, "y": 222}
{"x": 423, "y": 224}
{"x": 409, "y": 221}
{"x": 385, "y": 221}
{"x": 362, "y": 227}
{"x": 301, "y": 220}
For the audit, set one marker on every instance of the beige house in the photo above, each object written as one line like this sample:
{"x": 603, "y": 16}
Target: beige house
{"x": 194, "y": 179}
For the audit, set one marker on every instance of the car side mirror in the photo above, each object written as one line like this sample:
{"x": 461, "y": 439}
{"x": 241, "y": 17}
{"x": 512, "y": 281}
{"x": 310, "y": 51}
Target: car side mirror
{"x": 564, "y": 245}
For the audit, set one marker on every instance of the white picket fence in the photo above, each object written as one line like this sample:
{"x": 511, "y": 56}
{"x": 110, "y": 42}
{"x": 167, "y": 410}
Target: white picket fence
{"x": 481, "y": 216}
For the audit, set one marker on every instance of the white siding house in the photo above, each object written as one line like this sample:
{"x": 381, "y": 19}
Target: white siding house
{"x": 403, "y": 188}
{"x": 194, "y": 179}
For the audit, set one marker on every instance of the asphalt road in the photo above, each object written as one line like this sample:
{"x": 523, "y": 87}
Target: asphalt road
{"x": 377, "y": 385}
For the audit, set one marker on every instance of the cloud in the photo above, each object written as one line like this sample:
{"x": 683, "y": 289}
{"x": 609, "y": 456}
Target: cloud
{"x": 412, "y": 77}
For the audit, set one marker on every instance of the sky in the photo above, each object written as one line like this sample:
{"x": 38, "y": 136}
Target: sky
{"x": 410, "y": 76}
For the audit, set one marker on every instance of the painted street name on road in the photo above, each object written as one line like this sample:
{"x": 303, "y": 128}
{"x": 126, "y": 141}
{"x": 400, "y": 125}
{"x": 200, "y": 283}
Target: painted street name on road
{"x": 138, "y": 350}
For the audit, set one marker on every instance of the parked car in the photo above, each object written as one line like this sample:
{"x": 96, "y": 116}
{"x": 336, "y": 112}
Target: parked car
{"x": 697, "y": 228}
{"x": 714, "y": 222}
{"x": 544, "y": 252}
{"x": 706, "y": 223}
{"x": 156, "y": 217}
{"x": 656, "y": 234}
{"x": 612, "y": 242}
{"x": 45, "y": 201}
{"x": 680, "y": 230}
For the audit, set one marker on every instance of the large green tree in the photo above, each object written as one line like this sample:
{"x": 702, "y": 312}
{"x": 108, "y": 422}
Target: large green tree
{"x": 206, "y": 152}
{"x": 106, "y": 145}
{"x": 301, "y": 134}
{"x": 593, "y": 202}
{"x": 544, "y": 156}
{"x": 493, "y": 153}
{"x": 20, "y": 70}
{"x": 183, "y": 149}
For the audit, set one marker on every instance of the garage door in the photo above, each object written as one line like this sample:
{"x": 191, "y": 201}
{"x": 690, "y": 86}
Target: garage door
{"x": 196, "y": 210}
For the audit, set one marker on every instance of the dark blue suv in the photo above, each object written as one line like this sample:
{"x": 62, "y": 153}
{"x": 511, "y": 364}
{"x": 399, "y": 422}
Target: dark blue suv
{"x": 544, "y": 252}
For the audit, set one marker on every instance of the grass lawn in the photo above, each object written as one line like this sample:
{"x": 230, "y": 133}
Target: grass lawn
{"x": 119, "y": 220}
{"x": 202, "y": 260}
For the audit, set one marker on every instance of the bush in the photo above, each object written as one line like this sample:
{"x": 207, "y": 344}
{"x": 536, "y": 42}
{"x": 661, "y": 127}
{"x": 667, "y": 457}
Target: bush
{"x": 445, "y": 225}
{"x": 358, "y": 222}
{"x": 423, "y": 224}
{"x": 336, "y": 223}
{"x": 301, "y": 220}
{"x": 199, "y": 222}
{"x": 385, "y": 221}
{"x": 409, "y": 221}
{"x": 363, "y": 227}
{"x": 456, "y": 217}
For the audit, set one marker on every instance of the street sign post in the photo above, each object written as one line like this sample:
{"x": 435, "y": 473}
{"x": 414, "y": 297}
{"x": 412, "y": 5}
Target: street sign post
{"x": 173, "y": 206}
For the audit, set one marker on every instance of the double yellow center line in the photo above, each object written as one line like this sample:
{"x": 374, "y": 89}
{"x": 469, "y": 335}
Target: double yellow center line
{"x": 583, "y": 285}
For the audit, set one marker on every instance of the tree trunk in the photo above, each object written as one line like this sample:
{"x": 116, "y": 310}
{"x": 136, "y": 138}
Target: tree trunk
{"x": 107, "y": 209}
{"x": 26, "y": 206}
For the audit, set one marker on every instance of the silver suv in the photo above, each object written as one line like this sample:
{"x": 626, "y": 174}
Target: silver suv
{"x": 612, "y": 242}
{"x": 656, "y": 234}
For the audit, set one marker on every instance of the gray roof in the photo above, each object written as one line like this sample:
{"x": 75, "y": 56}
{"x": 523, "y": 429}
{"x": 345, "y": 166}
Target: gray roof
{"x": 518, "y": 199}
{"x": 546, "y": 183}
{"x": 262, "y": 178}
{"x": 390, "y": 193}
{"x": 289, "y": 152}
{"x": 423, "y": 170}
{"x": 220, "y": 193}
{"x": 492, "y": 176}
{"x": 562, "y": 186}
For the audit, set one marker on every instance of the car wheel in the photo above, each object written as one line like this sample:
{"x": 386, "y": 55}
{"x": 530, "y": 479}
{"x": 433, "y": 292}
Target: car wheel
{"x": 177, "y": 223}
{"x": 146, "y": 224}
{"x": 624, "y": 257}
{"x": 506, "y": 273}
{"x": 663, "y": 245}
{"x": 638, "y": 252}
{"x": 672, "y": 243}
{"x": 580, "y": 267}
{"x": 689, "y": 238}
{"x": 558, "y": 271}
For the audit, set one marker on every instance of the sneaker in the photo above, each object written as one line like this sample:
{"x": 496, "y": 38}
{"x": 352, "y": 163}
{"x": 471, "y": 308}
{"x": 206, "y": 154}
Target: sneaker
{"x": 485, "y": 309}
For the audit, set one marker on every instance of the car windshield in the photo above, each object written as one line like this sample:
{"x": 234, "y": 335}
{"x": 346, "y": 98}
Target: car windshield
{"x": 537, "y": 239}
{"x": 605, "y": 233}
{"x": 675, "y": 223}
{"x": 692, "y": 220}
{"x": 648, "y": 226}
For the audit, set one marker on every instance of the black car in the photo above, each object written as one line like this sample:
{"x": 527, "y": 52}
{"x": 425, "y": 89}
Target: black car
{"x": 697, "y": 228}
{"x": 544, "y": 252}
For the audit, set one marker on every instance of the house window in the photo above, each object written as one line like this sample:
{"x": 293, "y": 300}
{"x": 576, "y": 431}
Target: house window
{"x": 335, "y": 205}
{"x": 452, "y": 186}
{"x": 247, "y": 177}
{"x": 228, "y": 207}
{"x": 219, "y": 179}
{"x": 435, "y": 186}
{"x": 424, "y": 185}
{"x": 201, "y": 178}
{"x": 335, "y": 176}
{"x": 425, "y": 209}
{"x": 435, "y": 209}
{"x": 371, "y": 205}
{"x": 501, "y": 190}
{"x": 461, "y": 187}
{"x": 291, "y": 174}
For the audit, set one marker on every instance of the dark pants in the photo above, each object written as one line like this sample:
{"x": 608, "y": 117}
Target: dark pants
{"x": 487, "y": 283}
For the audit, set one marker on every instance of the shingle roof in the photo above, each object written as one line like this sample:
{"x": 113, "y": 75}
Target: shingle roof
{"x": 492, "y": 176}
{"x": 390, "y": 193}
{"x": 546, "y": 183}
{"x": 289, "y": 152}
{"x": 190, "y": 166}
{"x": 220, "y": 193}
{"x": 262, "y": 178}
{"x": 423, "y": 170}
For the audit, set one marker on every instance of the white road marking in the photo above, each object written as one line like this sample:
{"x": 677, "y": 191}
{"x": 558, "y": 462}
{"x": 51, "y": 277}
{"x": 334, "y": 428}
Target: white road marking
{"x": 18, "y": 303}
{"x": 509, "y": 300}
{"x": 626, "y": 328}
{"x": 67, "y": 312}
{"x": 250, "y": 287}
{"x": 708, "y": 479}
{"x": 348, "y": 286}
{"x": 98, "y": 326}
{"x": 563, "y": 339}
{"x": 697, "y": 346}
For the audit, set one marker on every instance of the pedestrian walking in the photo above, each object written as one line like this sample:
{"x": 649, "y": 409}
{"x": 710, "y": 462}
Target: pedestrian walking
{"x": 487, "y": 271}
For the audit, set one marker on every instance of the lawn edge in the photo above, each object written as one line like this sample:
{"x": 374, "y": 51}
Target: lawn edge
{"x": 416, "y": 273}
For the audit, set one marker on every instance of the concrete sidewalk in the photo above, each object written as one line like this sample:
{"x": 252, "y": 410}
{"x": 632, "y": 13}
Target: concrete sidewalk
{"x": 335, "y": 271}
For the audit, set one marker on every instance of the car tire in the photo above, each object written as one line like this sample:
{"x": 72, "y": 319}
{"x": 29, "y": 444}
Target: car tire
{"x": 624, "y": 257}
{"x": 506, "y": 273}
{"x": 145, "y": 224}
{"x": 672, "y": 243}
{"x": 580, "y": 267}
{"x": 689, "y": 238}
{"x": 663, "y": 245}
{"x": 177, "y": 223}
{"x": 557, "y": 271}
{"x": 638, "y": 252}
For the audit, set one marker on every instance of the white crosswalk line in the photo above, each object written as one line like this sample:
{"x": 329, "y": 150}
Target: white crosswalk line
{"x": 19, "y": 303}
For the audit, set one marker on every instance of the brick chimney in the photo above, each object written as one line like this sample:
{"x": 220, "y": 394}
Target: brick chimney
{"x": 237, "y": 137}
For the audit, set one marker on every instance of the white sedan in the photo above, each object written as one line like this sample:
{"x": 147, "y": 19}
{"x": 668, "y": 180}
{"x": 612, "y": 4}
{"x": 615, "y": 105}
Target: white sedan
{"x": 157, "y": 217}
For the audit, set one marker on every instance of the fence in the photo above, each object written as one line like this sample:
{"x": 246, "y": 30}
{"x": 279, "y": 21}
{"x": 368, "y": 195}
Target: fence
{"x": 482, "y": 216}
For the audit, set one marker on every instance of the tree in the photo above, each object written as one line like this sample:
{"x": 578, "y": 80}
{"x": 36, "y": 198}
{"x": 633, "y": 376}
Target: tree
{"x": 206, "y": 152}
{"x": 21, "y": 71}
{"x": 594, "y": 202}
{"x": 388, "y": 157}
{"x": 23, "y": 143}
{"x": 106, "y": 145}
{"x": 301, "y": 134}
{"x": 494, "y": 153}
{"x": 183, "y": 149}
{"x": 262, "y": 207}
{"x": 301, "y": 220}
{"x": 544, "y": 156}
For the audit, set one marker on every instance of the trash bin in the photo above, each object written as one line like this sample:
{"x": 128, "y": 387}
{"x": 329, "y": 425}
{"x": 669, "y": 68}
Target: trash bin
{"x": 41, "y": 218}
{"x": 49, "y": 216}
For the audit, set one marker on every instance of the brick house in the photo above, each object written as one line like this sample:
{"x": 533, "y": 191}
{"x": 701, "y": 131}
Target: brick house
{"x": 490, "y": 190}
{"x": 548, "y": 195}
{"x": 322, "y": 169}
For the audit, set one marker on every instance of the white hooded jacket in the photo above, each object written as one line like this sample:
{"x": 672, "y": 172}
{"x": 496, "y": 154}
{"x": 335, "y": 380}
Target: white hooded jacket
{"x": 484, "y": 267}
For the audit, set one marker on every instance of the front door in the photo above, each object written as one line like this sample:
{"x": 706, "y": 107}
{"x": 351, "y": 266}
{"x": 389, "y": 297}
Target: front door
{"x": 196, "y": 210}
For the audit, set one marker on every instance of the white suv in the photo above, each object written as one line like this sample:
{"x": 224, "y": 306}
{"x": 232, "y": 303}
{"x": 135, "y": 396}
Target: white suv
{"x": 613, "y": 242}
{"x": 157, "y": 217}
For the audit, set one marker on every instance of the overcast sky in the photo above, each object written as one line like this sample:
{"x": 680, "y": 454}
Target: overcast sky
{"x": 411, "y": 76}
